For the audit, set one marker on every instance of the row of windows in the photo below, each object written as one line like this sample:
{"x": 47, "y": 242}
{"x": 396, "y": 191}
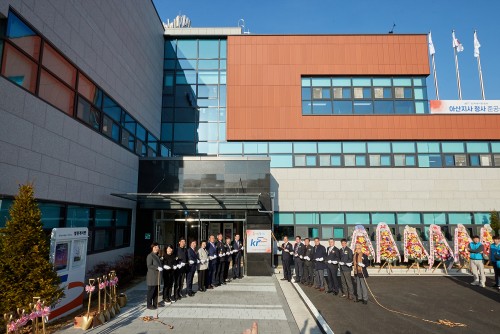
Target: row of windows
{"x": 379, "y": 95}
{"x": 32, "y": 63}
{"x": 109, "y": 228}
{"x": 195, "y": 48}
{"x": 193, "y": 132}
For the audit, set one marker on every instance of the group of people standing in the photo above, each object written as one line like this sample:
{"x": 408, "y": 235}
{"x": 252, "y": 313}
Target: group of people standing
{"x": 311, "y": 262}
{"x": 212, "y": 261}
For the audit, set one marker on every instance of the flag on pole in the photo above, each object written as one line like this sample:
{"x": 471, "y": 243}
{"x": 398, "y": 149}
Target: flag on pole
{"x": 432, "y": 50}
{"x": 476, "y": 45}
{"x": 456, "y": 43}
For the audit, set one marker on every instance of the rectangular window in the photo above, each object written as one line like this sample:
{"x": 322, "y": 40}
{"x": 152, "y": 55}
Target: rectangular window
{"x": 56, "y": 93}
{"x": 127, "y": 140}
{"x": 330, "y": 147}
{"x": 208, "y": 48}
{"x": 460, "y": 160}
{"x": 112, "y": 109}
{"x": 429, "y": 160}
{"x": 52, "y": 215}
{"x": 375, "y": 160}
{"x": 187, "y": 48}
{"x": 434, "y": 218}
{"x": 384, "y": 107}
{"x": 403, "y": 147}
{"x": 460, "y": 218}
{"x": 428, "y": 147}
{"x": 311, "y": 160}
{"x": 485, "y": 160}
{"x": 56, "y": 63}
{"x": 306, "y": 218}
{"x": 342, "y": 107}
{"x": 360, "y": 160}
{"x": 349, "y": 160}
{"x": 388, "y": 218}
{"x": 304, "y": 147}
{"x": 77, "y": 216}
{"x": 281, "y": 160}
{"x": 88, "y": 114}
{"x": 280, "y": 147}
{"x": 322, "y": 107}
{"x": 481, "y": 218}
{"x": 477, "y": 147}
{"x": 404, "y": 107}
{"x": 387, "y": 82}
{"x": 306, "y": 93}
{"x": 255, "y": 148}
{"x": 385, "y": 160}
{"x": 409, "y": 219}
{"x": 338, "y": 232}
{"x": 103, "y": 218}
{"x": 320, "y": 82}
{"x": 354, "y": 147}
{"x": 357, "y": 218}
{"x": 282, "y": 218}
{"x": 363, "y": 107}
{"x": 19, "y": 69}
{"x": 332, "y": 219}
{"x": 326, "y": 232}
{"x": 102, "y": 240}
{"x": 317, "y": 93}
{"x": 111, "y": 129}
{"x": 23, "y": 36}
{"x": 324, "y": 160}
{"x": 379, "y": 147}
{"x": 300, "y": 160}
{"x": 208, "y": 77}
{"x": 453, "y": 147}
{"x": 89, "y": 91}
{"x": 335, "y": 160}
{"x": 339, "y": 82}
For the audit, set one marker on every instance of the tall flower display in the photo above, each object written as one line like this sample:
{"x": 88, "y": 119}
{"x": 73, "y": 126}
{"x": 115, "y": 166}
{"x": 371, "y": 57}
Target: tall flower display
{"x": 360, "y": 236}
{"x": 387, "y": 249}
{"x": 413, "y": 247}
{"x": 462, "y": 240}
{"x": 439, "y": 248}
{"x": 486, "y": 238}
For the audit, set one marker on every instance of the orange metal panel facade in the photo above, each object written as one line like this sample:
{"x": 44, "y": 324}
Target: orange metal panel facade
{"x": 264, "y": 89}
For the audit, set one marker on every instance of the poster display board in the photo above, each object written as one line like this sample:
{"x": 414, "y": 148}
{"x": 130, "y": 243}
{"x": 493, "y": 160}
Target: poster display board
{"x": 465, "y": 107}
{"x": 258, "y": 241}
{"x": 68, "y": 253}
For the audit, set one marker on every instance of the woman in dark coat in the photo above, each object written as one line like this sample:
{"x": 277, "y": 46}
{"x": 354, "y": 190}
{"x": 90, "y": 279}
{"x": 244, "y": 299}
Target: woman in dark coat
{"x": 360, "y": 263}
{"x": 152, "y": 278}
{"x": 168, "y": 273}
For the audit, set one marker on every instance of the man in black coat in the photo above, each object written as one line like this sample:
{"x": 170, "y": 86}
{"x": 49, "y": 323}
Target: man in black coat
{"x": 286, "y": 259}
{"x": 237, "y": 253}
{"x": 228, "y": 249}
{"x": 180, "y": 272}
{"x": 221, "y": 254}
{"x": 346, "y": 258}
{"x": 298, "y": 261}
{"x": 319, "y": 255}
{"x": 361, "y": 262}
{"x": 212, "y": 264}
{"x": 332, "y": 264}
{"x": 192, "y": 265}
{"x": 307, "y": 254}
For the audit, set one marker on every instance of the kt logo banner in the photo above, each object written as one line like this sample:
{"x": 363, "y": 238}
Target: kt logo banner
{"x": 258, "y": 241}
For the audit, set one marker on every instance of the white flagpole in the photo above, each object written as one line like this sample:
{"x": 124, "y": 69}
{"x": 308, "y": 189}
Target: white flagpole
{"x": 433, "y": 51}
{"x": 478, "y": 56}
{"x": 456, "y": 69}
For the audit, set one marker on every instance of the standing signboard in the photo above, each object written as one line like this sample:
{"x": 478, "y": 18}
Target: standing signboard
{"x": 259, "y": 241}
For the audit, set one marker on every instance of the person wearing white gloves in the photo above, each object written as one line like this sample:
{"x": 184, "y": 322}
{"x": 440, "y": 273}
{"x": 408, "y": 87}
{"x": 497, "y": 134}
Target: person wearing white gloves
{"x": 202, "y": 266}
{"x": 212, "y": 262}
{"x": 298, "y": 262}
{"x": 191, "y": 267}
{"x": 361, "y": 262}
{"x": 319, "y": 256}
{"x": 286, "y": 259}
{"x": 332, "y": 264}
{"x": 168, "y": 273}
{"x": 237, "y": 254}
{"x": 229, "y": 254}
{"x": 307, "y": 254}
{"x": 155, "y": 268}
{"x": 180, "y": 272}
{"x": 346, "y": 258}
{"x": 221, "y": 260}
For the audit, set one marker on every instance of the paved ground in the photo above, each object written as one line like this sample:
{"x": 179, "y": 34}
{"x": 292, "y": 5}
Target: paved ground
{"x": 432, "y": 298}
{"x": 227, "y": 309}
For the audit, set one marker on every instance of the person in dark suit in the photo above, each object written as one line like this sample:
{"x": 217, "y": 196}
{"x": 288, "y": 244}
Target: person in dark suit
{"x": 237, "y": 254}
{"x": 221, "y": 254}
{"x": 192, "y": 265}
{"x": 168, "y": 273}
{"x": 319, "y": 256}
{"x": 154, "y": 270}
{"x": 307, "y": 254}
{"x": 297, "y": 259}
{"x": 332, "y": 264}
{"x": 286, "y": 259}
{"x": 212, "y": 263}
{"x": 180, "y": 272}
{"x": 228, "y": 249}
{"x": 361, "y": 262}
{"x": 346, "y": 258}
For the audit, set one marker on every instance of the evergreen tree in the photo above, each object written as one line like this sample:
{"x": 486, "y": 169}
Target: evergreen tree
{"x": 494, "y": 222}
{"x": 25, "y": 268}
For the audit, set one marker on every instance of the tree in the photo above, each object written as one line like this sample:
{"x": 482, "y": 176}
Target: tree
{"x": 25, "y": 268}
{"x": 494, "y": 222}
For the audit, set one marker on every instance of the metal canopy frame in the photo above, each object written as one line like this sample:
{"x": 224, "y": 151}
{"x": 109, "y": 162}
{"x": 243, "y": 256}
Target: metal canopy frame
{"x": 191, "y": 201}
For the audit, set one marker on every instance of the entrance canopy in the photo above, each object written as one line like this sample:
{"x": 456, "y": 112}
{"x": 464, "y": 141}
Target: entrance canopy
{"x": 182, "y": 201}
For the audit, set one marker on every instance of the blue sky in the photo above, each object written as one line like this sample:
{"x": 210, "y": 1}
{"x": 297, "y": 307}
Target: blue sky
{"x": 372, "y": 16}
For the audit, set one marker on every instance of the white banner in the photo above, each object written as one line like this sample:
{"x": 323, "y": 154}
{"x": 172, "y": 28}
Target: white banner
{"x": 465, "y": 106}
{"x": 259, "y": 241}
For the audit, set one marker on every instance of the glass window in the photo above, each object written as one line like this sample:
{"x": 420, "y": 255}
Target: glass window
{"x": 404, "y": 107}
{"x": 385, "y": 160}
{"x": 56, "y": 93}
{"x": 322, "y": 107}
{"x": 421, "y": 107}
{"x": 299, "y": 160}
{"x": 306, "y": 93}
{"x": 304, "y": 147}
{"x": 428, "y": 147}
{"x": 77, "y": 216}
{"x": 281, "y": 160}
{"x": 374, "y": 159}
{"x": 184, "y": 131}
{"x": 282, "y": 218}
{"x": 339, "y": 82}
{"x": 187, "y": 48}
{"x": 89, "y": 91}
{"x": 112, "y": 109}
{"x": 403, "y": 147}
{"x": 361, "y": 82}
{"x": 382, "y": 82}
{"x": 342, "y": 107}
{"x": 399, "y": 160}
{"x": 329, "y": 147}
{"x": 88, "y": 114}
{"x": 363, "y": 107}
{"x": 460, "y": 218}
{"x": 384, "y": 107}
{"x": 52, "y": 215}
{"x": 127, "y": 140}
{"x": 306, "y": 107}
{"x": 280, "y": 147}
{"x": 409, "y": 218}
{"x": 186, "y": 64}
{"x": 17, "y": 68}
{"x": 410, "y": 160}
{"x": 103, "y": 218}
{"x": 349, "y": 160}
{"x": 169, "y": 64}
{"x": 419, "y": 81}
{"x": 485, "y": 160}
{"x": 335, "y": 160}
{"x": 429, "y": 160}
{"x": 313, "y": 232}
{"x": 338, "y": 232}
{"x": 4, "y": 211}
{"x": 357, "y": 218}
{"x": 122, "y": 237}
{"x": 306, "y": 82}
{"x": 360, "y": 160}
{"x": 419, "y": 94}
{"x": 354, "y": 147}
{"x": 321, "y": 82}
{"x": 379, "y": 147}
{"x": 401, "y": 82}
{"x": 460, "y": 160}
{"x": 306, "y": 218}
{"x": 222, "y": 133}
{"x": 495, "y": 147}
{"x": 388, "y": 218}
{"x": 326, "y": 232}
{"x": 223, "y": 48}
{"x": 208, "y": 48}
{"x": 317, "y": 93}
{"x": 140, "y": 132}
{"x": 170, "y": 49}
{"x": 168, "y": 79}
{"x": 208, "y": 131}
{"x": 255, "y": 148}
{"x": 332, "y": 218}
{"x": 230, "y": 148}
{"x": 186, "y": 77}
{"x": 110, "y": 128}
{"x": 102, "y": 240}
{"x": 449, "y": 160}
{"x": 434, "y": 218}
{"x": 208, "y": 64}
{"x": 477, "y": 147}
{"x": 481, "y": 218}
{"x": 129, "y": 123}
{"x": 208, "y": 77}
{"x": 474, "y": 160}
{"x": 20, "y": 34}
{"x": 311, "y": 160}
{"x": 56, "y": 63}
{"x": 222, "y": 63}
{"x": 324, "y": 160}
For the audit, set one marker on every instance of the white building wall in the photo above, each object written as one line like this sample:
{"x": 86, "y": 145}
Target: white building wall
{"x": 386, "y": 189}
